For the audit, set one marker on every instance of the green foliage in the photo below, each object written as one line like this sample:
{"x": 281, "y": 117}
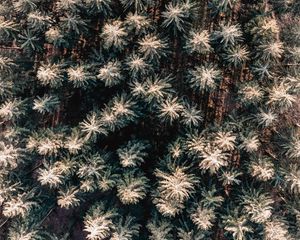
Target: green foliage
{"x": 135, "y": 120}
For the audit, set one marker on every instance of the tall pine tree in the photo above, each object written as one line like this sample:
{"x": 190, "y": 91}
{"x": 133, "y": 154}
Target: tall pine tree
{"x": 160, "y": 120}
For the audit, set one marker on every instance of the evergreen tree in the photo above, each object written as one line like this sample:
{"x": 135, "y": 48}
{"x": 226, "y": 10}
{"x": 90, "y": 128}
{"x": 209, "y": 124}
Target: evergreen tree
{"x": 161, "y": 120}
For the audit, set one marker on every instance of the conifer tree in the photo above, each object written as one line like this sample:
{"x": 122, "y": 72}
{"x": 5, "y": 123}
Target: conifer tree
{"x": 159, "y": 119}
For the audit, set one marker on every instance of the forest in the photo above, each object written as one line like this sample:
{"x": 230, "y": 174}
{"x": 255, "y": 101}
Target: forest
{"x": 149, "y": 120}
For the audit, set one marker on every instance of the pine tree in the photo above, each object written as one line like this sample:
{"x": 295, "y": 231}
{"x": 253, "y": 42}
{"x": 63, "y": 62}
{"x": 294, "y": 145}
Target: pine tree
{"x": 162, "y": 120}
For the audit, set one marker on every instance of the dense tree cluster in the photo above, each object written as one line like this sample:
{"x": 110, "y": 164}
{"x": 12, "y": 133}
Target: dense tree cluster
{"x": 161, "y": 120}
